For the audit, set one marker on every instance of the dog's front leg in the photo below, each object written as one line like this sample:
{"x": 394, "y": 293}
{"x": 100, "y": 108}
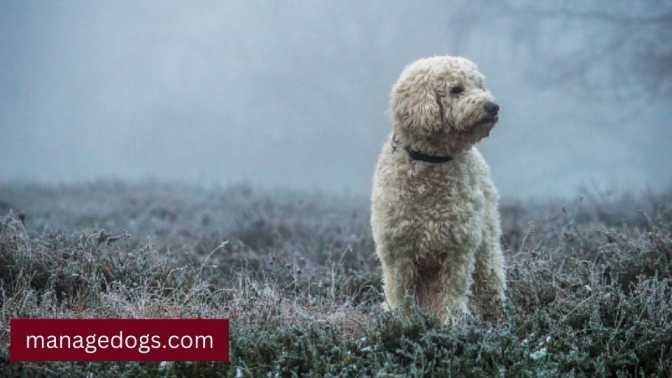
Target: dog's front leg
{"x": 399, "y": 283}
{"x": 489, "y": 277}
{"x": 456, "y": 279}
{"x": 488, "y": 291}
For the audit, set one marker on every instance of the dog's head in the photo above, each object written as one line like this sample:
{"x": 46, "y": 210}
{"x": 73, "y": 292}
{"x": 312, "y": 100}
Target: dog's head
{"x": 443, "y": 101}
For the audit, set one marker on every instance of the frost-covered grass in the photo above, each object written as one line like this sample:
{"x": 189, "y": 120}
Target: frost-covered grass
{"x": 590, "y": 282}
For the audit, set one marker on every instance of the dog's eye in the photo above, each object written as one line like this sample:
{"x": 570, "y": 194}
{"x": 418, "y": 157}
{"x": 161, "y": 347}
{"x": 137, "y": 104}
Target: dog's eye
{"x": 456, "y": 90}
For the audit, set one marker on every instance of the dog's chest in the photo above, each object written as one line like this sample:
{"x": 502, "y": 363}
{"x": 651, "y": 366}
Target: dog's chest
{"x": 439, "y": 212}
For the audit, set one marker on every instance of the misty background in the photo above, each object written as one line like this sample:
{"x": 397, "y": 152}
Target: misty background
{"x": 294, "y": 94}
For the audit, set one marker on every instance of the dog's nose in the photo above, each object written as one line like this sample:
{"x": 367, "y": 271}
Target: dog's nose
{"x": 491, "y": 108}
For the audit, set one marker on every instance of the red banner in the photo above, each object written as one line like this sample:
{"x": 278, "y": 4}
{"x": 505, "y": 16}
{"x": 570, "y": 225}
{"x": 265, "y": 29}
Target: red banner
{"x": 119, "y": 340}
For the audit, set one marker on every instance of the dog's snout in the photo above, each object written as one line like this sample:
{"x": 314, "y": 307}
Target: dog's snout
{"x": 491, "y": 108}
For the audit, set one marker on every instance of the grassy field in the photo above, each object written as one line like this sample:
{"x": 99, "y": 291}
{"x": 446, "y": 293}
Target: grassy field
{"x": 590, "y": 282}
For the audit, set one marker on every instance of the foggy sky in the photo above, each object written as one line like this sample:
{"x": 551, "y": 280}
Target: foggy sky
{"x": 294, "y": 94}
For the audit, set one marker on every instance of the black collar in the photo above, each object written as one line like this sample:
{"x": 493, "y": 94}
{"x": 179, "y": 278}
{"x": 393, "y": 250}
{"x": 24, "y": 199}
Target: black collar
{"x": 416, "y": 155}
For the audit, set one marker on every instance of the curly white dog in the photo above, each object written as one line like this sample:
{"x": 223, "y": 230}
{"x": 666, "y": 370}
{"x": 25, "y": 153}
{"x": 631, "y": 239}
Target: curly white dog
{"x": 434, "y": 206}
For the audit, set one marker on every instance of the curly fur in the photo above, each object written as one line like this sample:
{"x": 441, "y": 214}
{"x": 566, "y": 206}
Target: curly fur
{"x": 436, "y": 226}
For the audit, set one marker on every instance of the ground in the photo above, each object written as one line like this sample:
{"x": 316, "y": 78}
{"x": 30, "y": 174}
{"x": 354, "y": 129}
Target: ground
{"x": 588, "y": 282}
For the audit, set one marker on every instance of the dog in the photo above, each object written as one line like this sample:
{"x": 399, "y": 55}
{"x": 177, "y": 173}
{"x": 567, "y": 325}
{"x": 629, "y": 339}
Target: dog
{"x": 434, "y": 212}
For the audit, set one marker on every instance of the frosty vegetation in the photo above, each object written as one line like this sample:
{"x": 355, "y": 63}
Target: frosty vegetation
{"x": 589, "y": 282}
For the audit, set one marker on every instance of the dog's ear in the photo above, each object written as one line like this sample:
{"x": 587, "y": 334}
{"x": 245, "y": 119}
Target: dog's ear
{"x": 415, "y": 104}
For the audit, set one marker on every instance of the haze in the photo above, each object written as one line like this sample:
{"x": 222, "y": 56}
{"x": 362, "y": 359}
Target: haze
{"x": 293, "y": 94}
